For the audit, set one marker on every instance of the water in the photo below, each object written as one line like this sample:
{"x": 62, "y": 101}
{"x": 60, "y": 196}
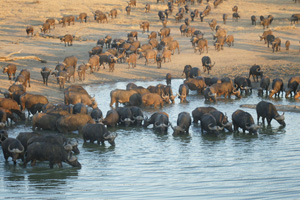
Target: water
{"x": 148, "y": 165}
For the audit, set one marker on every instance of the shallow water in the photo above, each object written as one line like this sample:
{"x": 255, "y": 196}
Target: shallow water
{"x": 148, "y": 165}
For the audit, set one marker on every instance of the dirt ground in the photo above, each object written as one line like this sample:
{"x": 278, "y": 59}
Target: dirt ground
{"x": 232, "y": 61}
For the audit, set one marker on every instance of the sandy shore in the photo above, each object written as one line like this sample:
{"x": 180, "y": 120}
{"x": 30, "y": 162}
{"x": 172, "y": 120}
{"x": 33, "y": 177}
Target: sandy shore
{"x": 232, "y": 61}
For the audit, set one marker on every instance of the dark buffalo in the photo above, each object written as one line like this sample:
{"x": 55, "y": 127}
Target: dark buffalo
{"x": 69, "y": 144}
{"x": 160, "y": 121}
{"x": 222, "y": 120}
{"x": 293, "y": 84}
{"x": 13, "y": 148}
{"x": 54, "y": 153}
{"x": 207, "y": 64}
{"x": 268, "y": 111}
{"x": 125, "y": 116}
{"x": 96, "y": 114}
{"x": 137, "y": 115}
{"x": 199, "y": 111}
{"x": 45, "y": 121}
{"x": 243, "y": 83}
{"x": 264, "y": 85}
{"x": 97, "y": 132}
{"x": 186, "y": 71}
{"x": 209, "y": 124}
{"x": 45, "y": 72}
{"x": 183, "y": 123}
{"x": 23, "y": 137}
{"x": 168, "y": 78}
{"x": 244, "y": 120}
{"x": 255, "y": 72}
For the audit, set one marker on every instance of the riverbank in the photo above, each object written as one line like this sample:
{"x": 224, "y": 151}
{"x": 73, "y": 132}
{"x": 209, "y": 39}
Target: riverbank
{"x": 231, "y": 62}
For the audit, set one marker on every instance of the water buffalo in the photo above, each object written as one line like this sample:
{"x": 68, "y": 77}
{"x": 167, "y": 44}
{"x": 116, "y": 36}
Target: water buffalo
{"x": 125, "y": 116}
{"x": 209, "y": 124}
{"x": 3, "y": 135}
{"x": 268, "y": 111}
{"x": 29, "y": 30}
{"x": 186, "y": 71}
{"x": 264, "y": 85}
{"x": 255, "y": 72}
{"x": 81, "y": 17}
{"x": 93, "y": 63}
{"x": 10, "y": 69}
{"x": 45, "y": 72}
{"x": 111, "y": 119}
{"x": 212, "y": 24}
{"x": 45, "y": 27}
{"x": 45, "y": 121}
{"x": 137, "y": 115}
{"x": 244, "y": 120}
{"x": 73, "y": 122}
{"x": 12, "y": 148}
{"x": 168, "y": 79}
{"x": 207, "y": 64}
{"x": 72, "y": 96}
{"x": 81, "y": 72}
{"x": 225, "y": 16}
{"x": 67, "y": 19}
{"x": 68, "y": 38}
{"x": 32, "y": 101}
{"x": 183, "y": 123}
{"x": 276, "y": 44}
{"x": 277, "y": 87}
{"x": 199, "y": 111}
{"x": 253, "y": 20}
{"x": 222, "y": 120}
{"x": 243, "y": 83}
{"x": 150, "y": 99}
{"x": 183, "y": 93}
{"x": 97, "y": 132}
{"x": 70, "y": 61}
{"x": 292, "y": 86}
{"x": 54, "y": 153}
{"x": 235, "y": 17}
{"x": 23, "y": 77}
{"x": 265, "y": 34}
{"x": 96, "y": 114}
{"x": 196, "y": 84}
{"x": 160, "y": 121}
{"x": 23, "y": 137}
{"x": 120, "y": 96}
{"x": 145, "y": 25}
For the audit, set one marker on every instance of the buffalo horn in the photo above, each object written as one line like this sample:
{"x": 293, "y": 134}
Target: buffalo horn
{"x": 15, "y": 150}
{"x": 215, "y": 128}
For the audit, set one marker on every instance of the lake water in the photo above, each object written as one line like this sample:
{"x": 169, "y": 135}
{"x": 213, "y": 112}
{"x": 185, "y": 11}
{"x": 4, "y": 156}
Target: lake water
{"x": 148, "y": 165}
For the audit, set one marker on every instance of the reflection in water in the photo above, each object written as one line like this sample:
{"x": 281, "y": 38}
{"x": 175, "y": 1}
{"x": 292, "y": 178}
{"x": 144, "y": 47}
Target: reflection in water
{"x": 42, "y": 179}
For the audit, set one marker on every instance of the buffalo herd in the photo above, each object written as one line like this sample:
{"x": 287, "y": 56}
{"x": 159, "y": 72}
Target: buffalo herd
{"x": 80, "y": 112}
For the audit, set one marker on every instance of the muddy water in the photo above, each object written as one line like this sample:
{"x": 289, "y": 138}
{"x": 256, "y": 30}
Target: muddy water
{"x": 148, "y": 165}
